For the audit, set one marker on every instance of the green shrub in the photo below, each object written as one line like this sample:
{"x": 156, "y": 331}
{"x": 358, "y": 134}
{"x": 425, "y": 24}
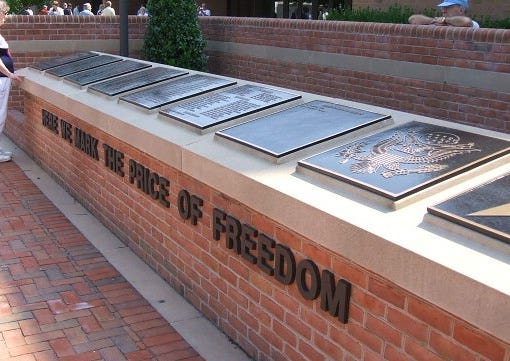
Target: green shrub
{"x": 173, "y": 34}
{"x": 489, "y": 22}
{"x": 17, "y": 6}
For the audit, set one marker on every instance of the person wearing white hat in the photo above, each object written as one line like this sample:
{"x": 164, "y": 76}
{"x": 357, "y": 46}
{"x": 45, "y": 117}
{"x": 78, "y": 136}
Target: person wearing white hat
{"x": 454, "y": 14}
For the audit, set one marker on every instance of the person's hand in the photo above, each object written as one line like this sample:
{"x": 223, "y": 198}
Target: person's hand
{"x": 16, "y": 77}
{"x": 440, "y": 21}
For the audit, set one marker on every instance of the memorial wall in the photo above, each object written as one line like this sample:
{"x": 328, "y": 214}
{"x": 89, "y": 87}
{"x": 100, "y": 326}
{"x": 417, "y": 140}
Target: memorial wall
{"x": 305, "y": 227}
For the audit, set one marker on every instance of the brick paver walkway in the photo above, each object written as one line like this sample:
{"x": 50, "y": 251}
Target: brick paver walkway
{"x": 60, "y": 299}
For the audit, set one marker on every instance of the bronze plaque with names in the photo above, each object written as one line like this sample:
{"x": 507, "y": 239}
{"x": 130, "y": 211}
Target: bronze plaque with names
{"x": 160, "y": 95}
{"x": 485, "y": 209}
{"x": 220, "y": 107}
{"x": 401, "y": 161}
{"x": 44, "y": 65}
{"x": 106, "y": 72}
{"x": 81, "y": 65}
{"x": 136, "y": 80}
{"x": 288, "y": 131}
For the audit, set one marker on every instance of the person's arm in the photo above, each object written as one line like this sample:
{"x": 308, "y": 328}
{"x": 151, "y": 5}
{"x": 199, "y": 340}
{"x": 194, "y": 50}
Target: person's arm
{"x": 460, "y": 21}
{"x": 7, "y": 73}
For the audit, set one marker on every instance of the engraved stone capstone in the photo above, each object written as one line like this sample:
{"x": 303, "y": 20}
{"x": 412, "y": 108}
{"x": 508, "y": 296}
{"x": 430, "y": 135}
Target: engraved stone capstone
{"x": 106, "y": 72}
{"x": 485, "y": 209}
{"x": 81, "y": 65}
{"x": 136, "y": 80}
{"x": 293, "y": 129}
{"x": 227, "y": 105}
{"x": 160, "y": 95}
{"x": 404, "y": 160}
{"x": 44, "y": 65}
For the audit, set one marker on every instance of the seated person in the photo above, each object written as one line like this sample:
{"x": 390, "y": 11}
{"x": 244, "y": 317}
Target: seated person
{"x": 454, "y": 14}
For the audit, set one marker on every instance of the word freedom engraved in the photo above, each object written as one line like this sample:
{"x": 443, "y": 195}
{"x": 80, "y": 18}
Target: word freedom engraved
{"x": 106, "y": 72}
{"x": 217, "y": 108}
{"x": 136, "y": 80}
{"x": 173, "y": 91}
{"x": 485, "y": 209}
{"x": 44, "y": 65}
{"x": 401, "y": 161}
{"x": 293, "y": 129}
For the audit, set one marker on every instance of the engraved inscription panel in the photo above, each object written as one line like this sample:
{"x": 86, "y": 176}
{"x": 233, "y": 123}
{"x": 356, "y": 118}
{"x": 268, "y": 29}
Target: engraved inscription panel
{"x": 226, "y": 105}
{"x": 44, "y": 65}
{"x": 136, "y": 80}
{"x": 106, "y": 72}
{"x": 173, "y": 91}
{"x": 404, "y": 160}
{"x": 290, "y": 130}
{"x": 485, "y": 209}
{"x": 81, "y": 65}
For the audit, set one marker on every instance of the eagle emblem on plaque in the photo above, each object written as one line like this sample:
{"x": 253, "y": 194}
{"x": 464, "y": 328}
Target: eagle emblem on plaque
{"x": 406, "y": 151}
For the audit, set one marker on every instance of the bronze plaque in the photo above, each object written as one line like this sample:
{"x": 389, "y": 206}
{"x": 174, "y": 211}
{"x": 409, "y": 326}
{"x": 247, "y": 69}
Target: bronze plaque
{"x": 44, "y": 65}
{"x": 163, "y": 94}
{"x": 106, "y": 72}
{"x": 485, "y": 209}
{"x": 293, "y": 129}
{"x": 406, "y": 159}
{"x": 81, "y": 65}
{"x": 136, "y": 80}
{"x": 218, "y": 108}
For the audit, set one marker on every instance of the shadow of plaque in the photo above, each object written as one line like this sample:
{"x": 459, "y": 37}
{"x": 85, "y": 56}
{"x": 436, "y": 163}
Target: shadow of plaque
{"x": 302, "y": 126}
{"x": 135, "y": 81}
{"x": 44, "y": 65}
{"x": 485, "y": 209}
{"x": 160, "y": 95}
{"x": 220, "y": 107}
{"x": 106, "y": 72}
{"x": 404, "y": 160}
{"x": 81, "y": 65}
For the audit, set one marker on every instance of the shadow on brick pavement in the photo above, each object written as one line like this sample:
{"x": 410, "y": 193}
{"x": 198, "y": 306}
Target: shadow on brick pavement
{"x": 60, "y": 299}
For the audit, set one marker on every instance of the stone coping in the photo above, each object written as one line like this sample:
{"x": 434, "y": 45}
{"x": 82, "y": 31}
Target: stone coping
{"x": 458, "y": 270}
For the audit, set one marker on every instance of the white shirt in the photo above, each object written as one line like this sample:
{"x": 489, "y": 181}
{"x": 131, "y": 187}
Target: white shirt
{"x": 58, "y": 11}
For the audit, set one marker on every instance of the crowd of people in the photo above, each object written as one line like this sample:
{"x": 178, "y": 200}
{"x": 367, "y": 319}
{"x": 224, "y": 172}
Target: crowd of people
{"x": 57, "y": 8}
{"x": 63, "y": 8}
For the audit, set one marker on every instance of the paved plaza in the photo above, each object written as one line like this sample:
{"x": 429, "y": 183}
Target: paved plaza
{"x": 64, "y": 298}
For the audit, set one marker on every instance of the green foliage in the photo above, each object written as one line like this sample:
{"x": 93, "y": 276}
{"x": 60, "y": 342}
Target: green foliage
{"x": 489, "y": 22}
{"x": 173, "y": 34}
{"x": 17, "y": 6}
{"x": 395, "y": 14}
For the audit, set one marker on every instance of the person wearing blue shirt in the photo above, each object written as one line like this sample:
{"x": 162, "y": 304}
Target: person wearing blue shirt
{"x": 454, "y": 14}
{"x": 87, "y": 10}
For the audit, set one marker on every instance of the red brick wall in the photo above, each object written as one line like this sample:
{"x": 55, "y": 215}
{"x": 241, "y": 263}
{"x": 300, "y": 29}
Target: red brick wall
{"x": 482, "y": 49}
{"x": 270, "y": 321}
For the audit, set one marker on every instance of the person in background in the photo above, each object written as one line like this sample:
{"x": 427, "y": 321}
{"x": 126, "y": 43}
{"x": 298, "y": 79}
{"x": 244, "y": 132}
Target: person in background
{"x": 108, "y": 10}
{"x": 203, "y": 10}
{"x": 44, "y": 10}
{"x": 87, "y": 10}
{"x": 76, "y": 10}
{"x": 454, "y": 14}
{"x": 56, "y": 9}
{"x": 6, "y": 76}
{"x": 142, "y": 11}
{"x": 67, "y": 9}
{"x": 27, "y": 11}
{"x": 100, "y": 10}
